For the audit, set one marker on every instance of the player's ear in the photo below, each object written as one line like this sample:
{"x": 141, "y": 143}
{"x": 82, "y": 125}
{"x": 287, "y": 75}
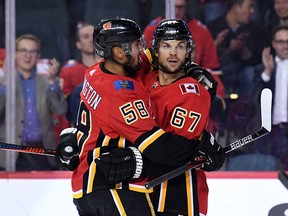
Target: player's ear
{"x": 118, "y": 52}
{"x": 156, "y": 53}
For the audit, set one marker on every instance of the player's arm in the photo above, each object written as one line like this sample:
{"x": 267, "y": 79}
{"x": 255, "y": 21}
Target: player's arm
{"x": 130, "y": 115}
{"x": 154, "y": 143}
{"x": 122, "y": 164}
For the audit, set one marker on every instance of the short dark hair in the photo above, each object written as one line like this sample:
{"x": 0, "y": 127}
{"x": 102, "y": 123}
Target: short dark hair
{"x": 279, "y": 28}
{"x": 231, "y": 3}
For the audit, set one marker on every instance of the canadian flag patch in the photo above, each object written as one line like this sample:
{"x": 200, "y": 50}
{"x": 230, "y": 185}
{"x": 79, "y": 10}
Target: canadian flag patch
{"x": 189, "y": 88}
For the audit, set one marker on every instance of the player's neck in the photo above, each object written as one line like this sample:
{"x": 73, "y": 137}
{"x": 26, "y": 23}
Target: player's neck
{"x": 114, "y": 67}
{"x": 166, "y": 79}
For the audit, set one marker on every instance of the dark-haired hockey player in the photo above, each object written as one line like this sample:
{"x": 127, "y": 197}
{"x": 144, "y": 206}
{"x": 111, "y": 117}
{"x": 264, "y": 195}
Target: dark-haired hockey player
{"x": 115, "y": 118}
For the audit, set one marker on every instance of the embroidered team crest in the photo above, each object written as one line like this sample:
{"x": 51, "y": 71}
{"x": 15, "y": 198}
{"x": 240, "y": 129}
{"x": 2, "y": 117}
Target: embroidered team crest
{"x": 123, "y": 84}
{"x": 189, "y": 88}
{"x": 107, "y": 25}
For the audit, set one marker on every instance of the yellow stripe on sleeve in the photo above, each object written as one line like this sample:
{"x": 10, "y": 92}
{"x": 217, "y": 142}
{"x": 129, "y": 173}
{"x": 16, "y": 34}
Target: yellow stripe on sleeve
{"x": 121, "y": 142}
{"x": 78, "y": 194}
{"x": 150, "y": 139}
{"x": 106, "y": 141}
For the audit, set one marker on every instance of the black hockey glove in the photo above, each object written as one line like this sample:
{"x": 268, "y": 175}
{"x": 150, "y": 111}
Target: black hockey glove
{"x": 120, "y": 164}
{"x": 204, "y": 77}
{"x": 211, "y": 151}
{"x": 67, "y": 150}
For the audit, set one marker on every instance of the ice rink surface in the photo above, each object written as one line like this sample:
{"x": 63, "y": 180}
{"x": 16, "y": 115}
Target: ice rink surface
{"x": 231, "y": 193}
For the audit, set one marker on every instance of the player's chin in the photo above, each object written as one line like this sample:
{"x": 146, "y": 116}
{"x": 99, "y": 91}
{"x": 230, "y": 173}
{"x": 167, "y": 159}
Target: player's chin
{"x": 137, "y": 64}
{"x": 175, "y": 69}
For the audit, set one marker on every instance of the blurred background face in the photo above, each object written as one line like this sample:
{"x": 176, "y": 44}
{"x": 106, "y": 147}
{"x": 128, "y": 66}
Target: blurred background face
{"x": 85, "y": 42}
{"x": 180, "y": 9}
{"x": 280, "y": 44}
{"x": 281, "y": 8}
{"x": 244, "y": 12}
{"x": 27, "y": 54}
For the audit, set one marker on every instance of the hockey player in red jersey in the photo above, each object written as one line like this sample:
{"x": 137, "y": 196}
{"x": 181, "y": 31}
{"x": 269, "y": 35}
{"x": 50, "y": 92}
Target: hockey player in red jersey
{"x": 205, "y": 51}
{"x": 116, "y": 120}
{"x": 182, "y": 107}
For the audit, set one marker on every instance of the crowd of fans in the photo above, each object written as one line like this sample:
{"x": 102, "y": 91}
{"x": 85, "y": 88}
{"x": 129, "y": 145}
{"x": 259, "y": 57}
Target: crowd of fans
{"x": 243, "y": 43}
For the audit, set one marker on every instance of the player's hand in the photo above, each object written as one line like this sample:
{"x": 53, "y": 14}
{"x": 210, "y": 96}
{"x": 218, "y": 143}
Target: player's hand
{"x": 204, "y": 77}
{"x": 211, "y": 151}
{"x": 120, "y": 164}
{"x": 67, "y": 150}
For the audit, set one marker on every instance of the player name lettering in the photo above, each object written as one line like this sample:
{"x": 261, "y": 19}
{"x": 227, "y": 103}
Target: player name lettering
{"x": 241, "y": 142}
{"x": 93, "y": 99}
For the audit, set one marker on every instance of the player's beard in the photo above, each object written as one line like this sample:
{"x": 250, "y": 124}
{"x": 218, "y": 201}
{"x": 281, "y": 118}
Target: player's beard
{"x": 132, "y": 69}
{"x": 166, "y": 69}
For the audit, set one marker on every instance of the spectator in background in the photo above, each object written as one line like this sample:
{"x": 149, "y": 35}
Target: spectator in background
{"x": 36, "y": 97}
{"x": 75, "y": 10}
{"x": 239, "y": 44}
{"x": 278, "y": 16}
{"x": 205, "y": 51}
{"x": 72, "y": 74}
{"x": 2, "y": 57}
{"x": 212, "y": 9}
{"x": 274, "y": 75}
{"x": 74, "y": 104}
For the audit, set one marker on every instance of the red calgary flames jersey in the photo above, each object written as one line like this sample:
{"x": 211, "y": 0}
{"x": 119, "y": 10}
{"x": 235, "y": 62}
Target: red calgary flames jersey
{"x": 111, "y": 105}
{"x": 182, "y": 108}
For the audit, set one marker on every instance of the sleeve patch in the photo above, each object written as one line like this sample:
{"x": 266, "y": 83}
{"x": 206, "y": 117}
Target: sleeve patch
{"x": 189, "y": 88}
{"x": 123, "y": 84}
